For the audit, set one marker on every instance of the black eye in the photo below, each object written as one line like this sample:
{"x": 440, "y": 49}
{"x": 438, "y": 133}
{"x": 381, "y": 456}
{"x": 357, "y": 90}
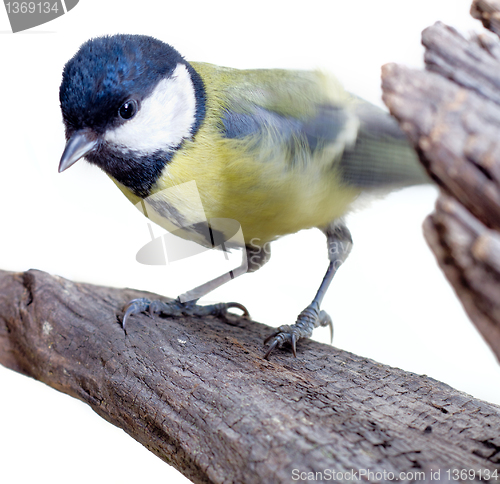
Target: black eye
{"x": 128, "y": 109}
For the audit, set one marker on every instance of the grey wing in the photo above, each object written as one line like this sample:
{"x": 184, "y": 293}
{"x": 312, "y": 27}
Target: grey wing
{"x": 327, "y": 125}
{"x": 324, "y": 127}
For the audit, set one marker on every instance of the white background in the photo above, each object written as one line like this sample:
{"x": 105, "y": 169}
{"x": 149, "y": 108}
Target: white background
{"x": 389, "y": 302}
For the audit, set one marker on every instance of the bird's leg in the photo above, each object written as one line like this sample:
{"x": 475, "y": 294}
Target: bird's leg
{"x": 185, "y": 304}
{"x": 339, "y": 246}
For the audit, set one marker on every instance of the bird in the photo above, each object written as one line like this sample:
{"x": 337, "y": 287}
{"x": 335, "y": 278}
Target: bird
{"x": 276, "y": 150}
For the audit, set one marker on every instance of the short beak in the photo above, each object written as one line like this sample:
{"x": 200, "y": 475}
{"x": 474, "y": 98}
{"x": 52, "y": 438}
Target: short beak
{"x": 77, "y": 146}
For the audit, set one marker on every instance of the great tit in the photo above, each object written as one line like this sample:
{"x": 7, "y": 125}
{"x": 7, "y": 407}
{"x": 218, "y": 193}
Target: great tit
{"x": 276, "y": 150}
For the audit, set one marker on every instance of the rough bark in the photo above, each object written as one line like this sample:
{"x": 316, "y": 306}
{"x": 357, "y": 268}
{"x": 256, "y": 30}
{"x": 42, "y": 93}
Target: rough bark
{"x": 488, "y": 11}
{"x": 199, "y": 394}
{"x": 451, "y": 113}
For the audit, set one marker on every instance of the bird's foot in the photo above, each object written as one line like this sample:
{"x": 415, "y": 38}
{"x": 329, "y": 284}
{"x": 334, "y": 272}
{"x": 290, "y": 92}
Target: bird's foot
{"x": 176, "y": 308}
{"x": 307, "y": 321}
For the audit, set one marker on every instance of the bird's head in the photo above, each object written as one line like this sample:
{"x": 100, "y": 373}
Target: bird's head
{"x": 128, "y": 103}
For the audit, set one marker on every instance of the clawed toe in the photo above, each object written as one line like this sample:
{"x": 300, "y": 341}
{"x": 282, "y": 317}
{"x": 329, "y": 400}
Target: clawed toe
{"x": 177, "y": 309}
{"x": 284, "y": 334}
{"x": 135, "y": 306}
{"x": 308, "y": 319}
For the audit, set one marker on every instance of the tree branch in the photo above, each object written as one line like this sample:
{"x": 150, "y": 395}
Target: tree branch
{"x": 451, "y": 113}
{"x": 199, "y": 395}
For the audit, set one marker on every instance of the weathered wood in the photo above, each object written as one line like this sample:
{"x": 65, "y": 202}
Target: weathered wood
{"x": 465, "y": 62}
{"x": 199, "y": 394}
{"x": 451, "y": 113}
{"x": 469, "y": 255}
{"x": 454, "y": 130}
{"x": 488, "y": 11}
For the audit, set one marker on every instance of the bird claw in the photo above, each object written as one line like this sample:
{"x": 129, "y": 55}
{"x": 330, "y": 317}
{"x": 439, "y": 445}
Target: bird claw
{"x": 177, "y": 309}
{"x": 284, "y": 334}
{"x": 307, "y": 321}
{"x": 135, "y": 306}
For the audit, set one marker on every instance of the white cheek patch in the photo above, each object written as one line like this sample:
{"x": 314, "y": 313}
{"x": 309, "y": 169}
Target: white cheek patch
{"x": 164, "y": 119}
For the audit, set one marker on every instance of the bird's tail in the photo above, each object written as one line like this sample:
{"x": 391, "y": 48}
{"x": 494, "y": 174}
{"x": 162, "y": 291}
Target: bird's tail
{"x": 382, "y": 157}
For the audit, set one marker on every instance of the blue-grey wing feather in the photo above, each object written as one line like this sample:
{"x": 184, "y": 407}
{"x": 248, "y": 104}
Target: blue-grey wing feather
{"x": 323, "y": 127}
